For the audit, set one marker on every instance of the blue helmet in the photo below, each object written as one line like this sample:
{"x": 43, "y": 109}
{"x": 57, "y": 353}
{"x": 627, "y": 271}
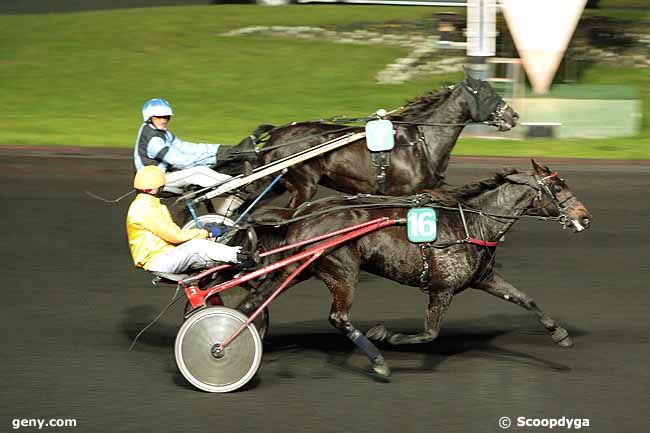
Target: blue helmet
{"x": 156, "y": 107}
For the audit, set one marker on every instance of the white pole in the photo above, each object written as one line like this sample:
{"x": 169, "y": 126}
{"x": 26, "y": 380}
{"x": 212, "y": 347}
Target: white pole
{"x": 481, "y": 36}
{"x": 481, "y": 28}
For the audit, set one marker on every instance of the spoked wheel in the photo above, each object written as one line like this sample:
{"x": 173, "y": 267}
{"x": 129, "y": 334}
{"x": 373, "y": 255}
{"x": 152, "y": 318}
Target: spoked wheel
{"x": 233, "y": 298}
{"x": 210, "y": 218}
{"x": 206, "y": 367}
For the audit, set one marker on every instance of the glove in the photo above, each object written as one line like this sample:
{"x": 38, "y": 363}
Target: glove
{"x": 215, "y": 230}
{"x": 248, "y": 260}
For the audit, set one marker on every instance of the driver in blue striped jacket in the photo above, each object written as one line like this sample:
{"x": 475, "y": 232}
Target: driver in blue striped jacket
{"x": 185, "y": 163}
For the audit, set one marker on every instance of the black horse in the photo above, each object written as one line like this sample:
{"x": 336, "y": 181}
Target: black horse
{"x": 491, "y": 207}
{"x": 426, "y": 132}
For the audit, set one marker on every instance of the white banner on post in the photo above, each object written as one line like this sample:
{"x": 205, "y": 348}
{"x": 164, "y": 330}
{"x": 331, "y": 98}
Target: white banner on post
{"x": 541, "y": 31}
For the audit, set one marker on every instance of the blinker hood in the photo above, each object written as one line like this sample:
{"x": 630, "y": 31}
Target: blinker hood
{"x": 482, "y": 100}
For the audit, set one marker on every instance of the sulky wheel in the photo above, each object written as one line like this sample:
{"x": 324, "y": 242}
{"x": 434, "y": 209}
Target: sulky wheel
{"x": 203, "y": 365}
{"x": 233, "y": 298}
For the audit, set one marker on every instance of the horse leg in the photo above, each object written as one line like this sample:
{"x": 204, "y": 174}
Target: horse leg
{"x": 438, "y": 304}
{"x": 499, "y": 287}
{"x": 340, "y": 273}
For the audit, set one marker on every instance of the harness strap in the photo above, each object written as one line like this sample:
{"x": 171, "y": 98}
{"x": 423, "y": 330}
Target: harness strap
{"x": 462, "y": 217}
{"x": 381, "y": 161}
{"x": 418, "y": 200}
{"x": 425, "y": 254}
{"x": 305, "y": 137}
{"x": 481, "y": 243}
{"x": 469, "y": 122}
{"x": 470, "y": 239}
{"x": 550, "y": 176}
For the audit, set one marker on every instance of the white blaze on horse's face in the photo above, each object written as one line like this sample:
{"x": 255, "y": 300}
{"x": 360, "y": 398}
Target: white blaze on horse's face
{"x": 580, "y": 218}
{"x": 571, "y": 210}
{"x": 577, "y": 227}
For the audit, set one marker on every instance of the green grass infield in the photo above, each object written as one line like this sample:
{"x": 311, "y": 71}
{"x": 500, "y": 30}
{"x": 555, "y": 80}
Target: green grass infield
{"x": 81, "y": 78}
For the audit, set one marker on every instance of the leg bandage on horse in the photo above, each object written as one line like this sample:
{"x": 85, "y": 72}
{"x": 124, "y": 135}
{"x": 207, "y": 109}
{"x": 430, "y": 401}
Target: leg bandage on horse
{"x": 364, "y": 344}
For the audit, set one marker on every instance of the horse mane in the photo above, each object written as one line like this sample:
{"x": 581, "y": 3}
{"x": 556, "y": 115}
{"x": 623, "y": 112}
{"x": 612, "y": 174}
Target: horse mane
{"x": 474, "y": 189}
{"x": 422, "y": 106}
{"x": 266, "y": 218}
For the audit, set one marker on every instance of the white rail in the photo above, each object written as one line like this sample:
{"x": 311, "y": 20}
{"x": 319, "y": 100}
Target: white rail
{"x": 276, "y": 166}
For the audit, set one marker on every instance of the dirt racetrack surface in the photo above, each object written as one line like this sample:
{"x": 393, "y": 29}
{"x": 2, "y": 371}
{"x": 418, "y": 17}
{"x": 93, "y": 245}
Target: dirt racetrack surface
{"x": 72, "y": 303}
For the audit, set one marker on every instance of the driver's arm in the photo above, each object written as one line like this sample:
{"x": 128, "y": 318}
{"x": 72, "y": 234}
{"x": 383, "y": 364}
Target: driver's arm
{"x": 160, "y": 222}
{"x": 180, "y": 154}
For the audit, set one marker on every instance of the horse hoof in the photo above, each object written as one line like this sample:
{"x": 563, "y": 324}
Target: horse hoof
{"x": 567, "y": 342}
{"x": 561, "y": 337}
{"x": 381, "y": 369}
{"x": 377, "y": 333}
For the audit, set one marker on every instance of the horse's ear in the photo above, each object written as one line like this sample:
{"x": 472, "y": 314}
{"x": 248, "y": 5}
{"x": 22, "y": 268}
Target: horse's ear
{"x": 539, "y": 168}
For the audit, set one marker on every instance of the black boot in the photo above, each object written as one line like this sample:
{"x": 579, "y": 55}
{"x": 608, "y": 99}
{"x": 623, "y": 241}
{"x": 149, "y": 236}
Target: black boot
{"x": 244, "y": 151}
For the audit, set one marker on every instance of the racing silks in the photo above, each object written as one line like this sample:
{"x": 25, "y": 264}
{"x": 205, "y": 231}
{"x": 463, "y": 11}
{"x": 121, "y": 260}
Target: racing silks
{"x": 151, "y": 230}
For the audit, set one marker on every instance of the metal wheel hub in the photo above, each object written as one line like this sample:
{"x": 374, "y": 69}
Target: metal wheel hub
{"x": 201, "y": 360}
{"x": 217, "y": 352}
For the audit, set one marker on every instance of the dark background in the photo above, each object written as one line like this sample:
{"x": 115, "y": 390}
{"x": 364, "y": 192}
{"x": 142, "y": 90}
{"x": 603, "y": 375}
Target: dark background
{"x": 45, "y": 6}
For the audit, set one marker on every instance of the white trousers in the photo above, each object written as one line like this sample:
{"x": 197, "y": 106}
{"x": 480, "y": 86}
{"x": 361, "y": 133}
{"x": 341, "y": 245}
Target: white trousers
{"x": 194, "y": 254}
{"x": 200, "y": 175}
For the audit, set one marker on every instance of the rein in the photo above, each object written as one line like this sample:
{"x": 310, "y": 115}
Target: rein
{"x": 347, "y": 128}
{"x": 496, "y": 118}
{"x": 469, "y": 122}
{"x": 297, "y": 141}
{"x": 423, "y": 199}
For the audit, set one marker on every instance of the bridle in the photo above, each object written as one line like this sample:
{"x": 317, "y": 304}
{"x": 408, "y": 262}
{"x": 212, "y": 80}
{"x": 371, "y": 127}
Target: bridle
{"x": 497, "y": 117}
{"x": 562, "y": 206}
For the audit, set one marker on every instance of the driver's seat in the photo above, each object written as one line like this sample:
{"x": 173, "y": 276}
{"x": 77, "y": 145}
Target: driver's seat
{"x": 167, "y": 278}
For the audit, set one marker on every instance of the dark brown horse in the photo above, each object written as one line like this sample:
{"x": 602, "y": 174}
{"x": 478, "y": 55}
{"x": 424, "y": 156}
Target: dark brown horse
{"x": 426, "y": 132}
{"x": 491, "y": 207}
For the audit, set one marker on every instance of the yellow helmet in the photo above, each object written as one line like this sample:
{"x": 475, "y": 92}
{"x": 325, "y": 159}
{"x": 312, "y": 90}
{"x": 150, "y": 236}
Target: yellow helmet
{"x": 149, "y": 177}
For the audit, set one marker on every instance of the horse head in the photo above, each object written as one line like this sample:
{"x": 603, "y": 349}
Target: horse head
{"x": 554, "y": 198}
{"x": 486, "y": 105}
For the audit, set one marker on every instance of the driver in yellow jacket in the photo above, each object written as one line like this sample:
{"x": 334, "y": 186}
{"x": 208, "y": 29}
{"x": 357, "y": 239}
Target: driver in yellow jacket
{"x": 158, "y": 244}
